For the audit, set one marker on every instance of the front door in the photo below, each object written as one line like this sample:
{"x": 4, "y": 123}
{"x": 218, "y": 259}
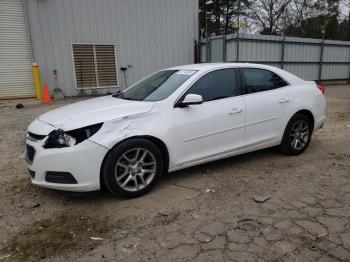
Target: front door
{"x": 214, "y": 127}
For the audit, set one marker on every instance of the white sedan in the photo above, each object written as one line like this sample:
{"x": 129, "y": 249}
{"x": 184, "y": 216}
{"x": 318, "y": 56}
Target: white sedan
{"x": 173, "y": 119}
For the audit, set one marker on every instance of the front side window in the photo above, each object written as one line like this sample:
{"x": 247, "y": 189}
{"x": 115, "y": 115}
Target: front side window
{"x": 157, "y": 86}
{"x": 258, "y": 80}
{"x": 215, "y": 85}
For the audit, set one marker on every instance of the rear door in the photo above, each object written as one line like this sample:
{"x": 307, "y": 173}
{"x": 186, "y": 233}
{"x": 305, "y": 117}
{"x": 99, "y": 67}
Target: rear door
{"x": 214, "y": 127}
{"x": 267, "y": 104}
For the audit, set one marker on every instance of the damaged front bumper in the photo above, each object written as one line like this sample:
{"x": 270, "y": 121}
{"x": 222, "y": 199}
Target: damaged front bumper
{"x": 75, "y": 168}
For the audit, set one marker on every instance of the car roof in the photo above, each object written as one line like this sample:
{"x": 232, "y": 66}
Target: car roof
{"x": 209, "y": 66}
{"x": 204, "y": 67}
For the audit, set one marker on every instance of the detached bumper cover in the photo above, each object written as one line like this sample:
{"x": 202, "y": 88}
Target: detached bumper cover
{"x": 82, "y": 161}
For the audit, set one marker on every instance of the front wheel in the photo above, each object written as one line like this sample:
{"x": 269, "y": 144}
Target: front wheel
{"x": 297, "y": 135}
{"x": 132, "y": 168}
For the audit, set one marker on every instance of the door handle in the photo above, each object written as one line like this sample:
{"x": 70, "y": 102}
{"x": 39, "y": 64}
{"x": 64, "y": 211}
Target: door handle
{"x": 283, "y": 100}
{"x": 235, "y": 111}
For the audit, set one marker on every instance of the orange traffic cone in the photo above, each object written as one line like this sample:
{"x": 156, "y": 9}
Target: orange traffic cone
{"x": 46, "y": 97}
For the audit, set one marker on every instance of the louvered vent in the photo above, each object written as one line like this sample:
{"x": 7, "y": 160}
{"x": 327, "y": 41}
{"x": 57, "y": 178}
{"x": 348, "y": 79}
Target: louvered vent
{"x": 106, "y": 70}
{"x": 95, "y": 66}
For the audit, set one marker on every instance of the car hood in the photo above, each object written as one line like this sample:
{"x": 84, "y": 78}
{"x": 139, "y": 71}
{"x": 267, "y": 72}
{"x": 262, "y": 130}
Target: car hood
{"x": 94, "y": 111}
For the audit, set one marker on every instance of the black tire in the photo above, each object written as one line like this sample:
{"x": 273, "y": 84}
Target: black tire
{"x": 286, "y": 145}
{"x": 108, "y": 171}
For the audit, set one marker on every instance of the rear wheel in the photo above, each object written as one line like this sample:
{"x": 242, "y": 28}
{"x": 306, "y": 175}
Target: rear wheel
{"x": 133, "y": 168}
{"x": 297, "y": 135}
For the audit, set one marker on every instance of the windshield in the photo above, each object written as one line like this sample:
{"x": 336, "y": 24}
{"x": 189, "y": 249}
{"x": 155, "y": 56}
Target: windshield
{"x": 157, "y": 86}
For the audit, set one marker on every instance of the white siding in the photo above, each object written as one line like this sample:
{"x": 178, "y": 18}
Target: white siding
{"x": 148, "y": 34}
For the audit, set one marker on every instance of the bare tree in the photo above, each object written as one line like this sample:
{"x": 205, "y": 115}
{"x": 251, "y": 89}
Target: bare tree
{"x": 298, "y": 12}
{"x": 268, "y": 15}
{"x": 301, "y": 18}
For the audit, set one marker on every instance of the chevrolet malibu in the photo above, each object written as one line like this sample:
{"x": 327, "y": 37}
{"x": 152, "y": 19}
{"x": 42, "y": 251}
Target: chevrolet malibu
{"x": 173, "y": 119}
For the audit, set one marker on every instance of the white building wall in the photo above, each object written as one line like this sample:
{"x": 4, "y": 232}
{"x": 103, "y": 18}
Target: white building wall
{"x": 148, "y": 34}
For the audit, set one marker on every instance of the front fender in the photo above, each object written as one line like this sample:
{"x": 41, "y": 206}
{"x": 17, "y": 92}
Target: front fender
{"x": 115, "y": 131}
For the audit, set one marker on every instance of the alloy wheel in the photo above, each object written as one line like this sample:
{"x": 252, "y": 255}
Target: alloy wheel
{"x": 135, "y": 169}
{"x": 299, "y": 134}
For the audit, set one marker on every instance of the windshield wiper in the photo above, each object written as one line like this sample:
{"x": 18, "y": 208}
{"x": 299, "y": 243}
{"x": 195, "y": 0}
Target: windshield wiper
{"x": 120, "y": 94}
{"x": 128, "y": 98}
{"x": 117, "y": 94}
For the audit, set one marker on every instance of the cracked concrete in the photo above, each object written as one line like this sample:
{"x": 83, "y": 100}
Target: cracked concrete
{"x": 205, "y": 213}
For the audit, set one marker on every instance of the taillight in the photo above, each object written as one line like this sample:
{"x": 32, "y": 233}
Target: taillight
{"x": 322, "y": 89}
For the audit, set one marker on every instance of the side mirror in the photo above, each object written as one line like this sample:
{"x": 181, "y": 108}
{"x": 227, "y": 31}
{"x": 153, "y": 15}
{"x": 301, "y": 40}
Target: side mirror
{"x": 191, "y": 99}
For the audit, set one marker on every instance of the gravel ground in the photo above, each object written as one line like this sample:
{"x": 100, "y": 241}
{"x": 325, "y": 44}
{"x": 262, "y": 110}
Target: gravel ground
{"x": 205, "y": 213}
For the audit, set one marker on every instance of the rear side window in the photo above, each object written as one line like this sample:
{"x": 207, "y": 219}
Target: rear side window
{"x": 258, "y": 80}
{"x": 215, "y": 85}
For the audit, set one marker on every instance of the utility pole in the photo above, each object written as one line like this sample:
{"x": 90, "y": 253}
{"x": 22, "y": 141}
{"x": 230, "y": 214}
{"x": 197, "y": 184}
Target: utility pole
{"x": 238, "y": 21}
{"x": 322, "y": 43}
{"x": 206, "y": 32}
{"x": 224, "y": 35}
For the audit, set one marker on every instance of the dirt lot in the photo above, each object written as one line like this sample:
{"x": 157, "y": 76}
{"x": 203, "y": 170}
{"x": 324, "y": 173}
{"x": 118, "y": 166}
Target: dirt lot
{"x": 205, "y": 213}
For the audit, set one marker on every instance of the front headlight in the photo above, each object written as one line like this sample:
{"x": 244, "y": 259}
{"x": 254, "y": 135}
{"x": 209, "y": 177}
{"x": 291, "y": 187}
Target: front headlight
{"x": 59, "y": 138}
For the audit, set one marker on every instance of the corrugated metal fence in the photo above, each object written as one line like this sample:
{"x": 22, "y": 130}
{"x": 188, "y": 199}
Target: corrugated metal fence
{"x": 310, "y": 59}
